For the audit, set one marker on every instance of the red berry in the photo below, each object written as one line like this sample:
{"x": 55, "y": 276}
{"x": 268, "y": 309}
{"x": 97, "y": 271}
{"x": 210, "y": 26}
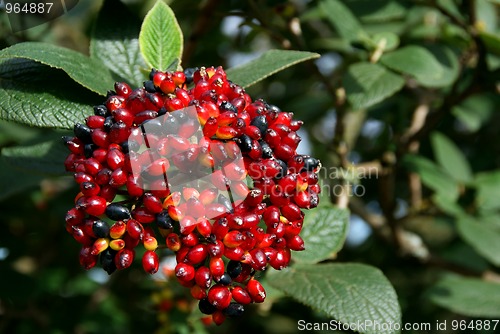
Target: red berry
{"x": 295, "y": 243}
{"x": 218, "y": 317}
{"x": 150, "y": 262}
{"x": 216, "y": 266}
{"x": 173, "y": 242}
{"x": 95, "y": 122}
{"x": 184, "y": 272}
{"x": 74, "y": 217}
{"x": 233, "y": 239}
{"x": 158, "y": 77}
{"x": 219, "y": 296}
{"x": 291, "y": 212}
{"x": 167, "y": 86}
{"x": 259, "y": 260}
{"x": 118, "y": 178}
{"x": 143, "y": 215}
{"x": 198, "y": 293}
{"x": 134, "y": 187}
{"x": 281, "y": 259}
{"x": 152, "y": 203}
{"x": 235, "y": 254}
{"x": 216, "y": 249}
{"x": 256, "y": 291}
{"x": 135, "y": 229}
{"x": 87, "y": 259}
{"x": 204, "y": 227}
{"x": 95, "y": 205}
{"x": 202, "y": 277}
{"x": 240, "y": 295}
{"x": 124, "y": 258}
{"x": 122, "y": 89}
{"x": 197, "y": 254}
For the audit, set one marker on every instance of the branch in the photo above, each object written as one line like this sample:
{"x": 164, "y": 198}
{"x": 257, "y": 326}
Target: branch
{"x": 418, "y": 121}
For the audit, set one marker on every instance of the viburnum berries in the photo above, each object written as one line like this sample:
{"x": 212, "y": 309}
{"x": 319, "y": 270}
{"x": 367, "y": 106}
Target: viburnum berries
{"x": 199, "y": 168}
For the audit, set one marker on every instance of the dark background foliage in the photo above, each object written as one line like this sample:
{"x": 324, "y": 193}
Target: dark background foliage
{"x": 424, "y": 120}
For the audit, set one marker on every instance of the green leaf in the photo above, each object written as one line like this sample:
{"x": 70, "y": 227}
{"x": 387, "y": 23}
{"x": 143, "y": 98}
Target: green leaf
{"x": 115, "y": 42}
{"x": 448, "y": 60}
{"x": 450, "y": 158}
{"x": 488, "y": 191}
{"x": 484, "y": 238}
{"x": 348, "y": 292}
{"x": 451, "y": 7}
{"x": 447, "y": 205}
{"x": 467, "y": 296}
{"x": 377, "y": 11}
{"x": 475, "y": 111}
{"x": 433, "y": 176}
{"x": 487, "y": 16}
{"x": 88, "y": 72}
{"x": 465, "y": 256}
{"x": 37, "y": 95}
{"x": 415, "y": 61}
{"x": 367, "y": 84}
{"x": 160, "y": 39}
{"x": 389, "y": 40}
{"x": 46, "y": 157}
{"x": 492, "y": 42}
{"x": 343, "y": 20}
{"x": 324, "y": 232}
{"x": 15, "y": 133}
{"x": 269, "y": 63}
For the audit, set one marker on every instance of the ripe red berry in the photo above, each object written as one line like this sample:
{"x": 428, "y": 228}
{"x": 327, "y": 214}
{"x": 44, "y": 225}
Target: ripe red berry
{"x": 216, "y": 249}
{"x": 95, "y": 205}
{"x": 152, "y": 203}
{"x": 233, "y": 239}
{"x": 173, "y": 242}
{"x": 87, "y": 259}
{"x": 122, "y": 89}
{"x": 197, "y": 254}
{"x": 124, "y": 258}
{"x": 241, "y": 295}
{"x": 135, "y": 229}
{"x": 218, "y": 317}
{"x": 197, "y": 292}
{"x": 256, "y": 291}
{"x": 74, "y": 217}
{"x": 259, "y": 260}
{"x": 219, "y": 296}
{"x": 184, "y": 272}
{"x": 203, "y": 277}
{"x": 295, "y": 243}
{"x": 216, "y": 266}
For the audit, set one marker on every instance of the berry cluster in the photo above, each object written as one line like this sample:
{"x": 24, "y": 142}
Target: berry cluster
{"x": 191, "y": 159}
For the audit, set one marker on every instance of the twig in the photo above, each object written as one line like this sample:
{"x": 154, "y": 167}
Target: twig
{"x": 437, "y": 262}
{"x": 418, "y": 121}
{"x": 387, "y": 197}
